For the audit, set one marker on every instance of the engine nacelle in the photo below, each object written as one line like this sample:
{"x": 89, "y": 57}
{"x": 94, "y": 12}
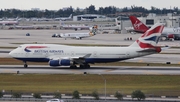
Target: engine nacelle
{"x": 77, "y": 37}
{"x": 77, "y": 29}
{"x": 60, "y": 62}
{"x": 171, "y": 36}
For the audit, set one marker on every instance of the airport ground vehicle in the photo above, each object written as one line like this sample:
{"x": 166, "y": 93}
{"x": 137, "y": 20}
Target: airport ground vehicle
{"x": 55, "y": 35}
{"x": 55, "y": 100}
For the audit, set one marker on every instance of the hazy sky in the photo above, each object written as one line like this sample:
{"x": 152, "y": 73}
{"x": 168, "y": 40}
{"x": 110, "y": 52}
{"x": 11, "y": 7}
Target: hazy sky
{"x": 59, "y": 4}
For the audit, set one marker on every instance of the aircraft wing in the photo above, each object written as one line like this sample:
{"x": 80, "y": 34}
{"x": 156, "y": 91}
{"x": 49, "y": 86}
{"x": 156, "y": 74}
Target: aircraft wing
{"x": 79, "y": 60}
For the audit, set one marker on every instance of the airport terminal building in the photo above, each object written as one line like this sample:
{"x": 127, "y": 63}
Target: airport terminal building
{"x": 170, "y": 20}
{"x": 87, "y": 17}
{"x": 104, "y": 23}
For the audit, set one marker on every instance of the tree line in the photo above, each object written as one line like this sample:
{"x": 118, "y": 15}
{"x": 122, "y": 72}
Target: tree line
{"x": 111, "y": 10}
{"x": 137, "y": 94}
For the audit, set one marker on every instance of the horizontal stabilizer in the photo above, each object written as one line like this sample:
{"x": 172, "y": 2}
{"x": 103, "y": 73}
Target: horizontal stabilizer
{"x": 147, "y": 50}
{"x": 165, "y": 48}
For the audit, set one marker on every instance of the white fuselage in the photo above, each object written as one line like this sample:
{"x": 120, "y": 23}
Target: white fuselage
{"x": 9, "y": 22}
{"x": 61, "y": 55}
{"x": 171, "y": 30}
{"x": 75, "y": 35}
{"x": 45, "y": 52}
{"x": 77, "y": 27}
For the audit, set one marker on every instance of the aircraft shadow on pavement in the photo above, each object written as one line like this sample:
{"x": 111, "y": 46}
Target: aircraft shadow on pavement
{"x": 65, "y": 68}
{"x": 94, "y": 68}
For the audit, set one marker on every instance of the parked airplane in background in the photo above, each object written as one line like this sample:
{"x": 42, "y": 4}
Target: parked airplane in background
{"x": 79, "y": 36}
{"x": 116, "y": 26}
{"x": 85, "y": 19}
{"x": 74, "y": 27}
{"x": 9, "y": 22}
{"x": 167, "y": 33}
{"x": 138, "y": 26}
{"x": 62, "y": 55}
{"x": 64, "y": 18}
{"x": 1, "y": 19}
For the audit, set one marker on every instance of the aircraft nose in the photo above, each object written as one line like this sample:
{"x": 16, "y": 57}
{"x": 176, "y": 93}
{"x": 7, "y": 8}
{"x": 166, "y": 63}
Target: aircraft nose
{"x": 11, "y": 53}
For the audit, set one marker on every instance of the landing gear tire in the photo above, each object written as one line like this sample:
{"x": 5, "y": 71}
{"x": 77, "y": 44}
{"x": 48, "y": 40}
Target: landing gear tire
{"x": 25, "y": 65}
{"x": 81, "y": 66}
{"x": 85, "y": 66}
{"x": 171, "y": 39}
{"x": 73, "y": 66}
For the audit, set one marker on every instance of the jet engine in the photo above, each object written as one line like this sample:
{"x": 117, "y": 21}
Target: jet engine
{"x": 77, "y": 29}
{"x": 60, "y": 62}
{"x": 171, "y": 36}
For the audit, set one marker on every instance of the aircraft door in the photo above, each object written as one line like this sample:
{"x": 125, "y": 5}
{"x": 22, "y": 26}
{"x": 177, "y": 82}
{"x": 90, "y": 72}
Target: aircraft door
{"x": 27, "y": 54}
{"x": 72, "y": 53}
{"x": 127, "y": 54}
{"x": 46, "y": 52}
{"x": 95, "y": 54}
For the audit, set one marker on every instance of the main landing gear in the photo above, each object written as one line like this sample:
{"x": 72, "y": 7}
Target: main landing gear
{"x": 80, "y": 66}
{"x": 73, "y": 66}
{"x": 25, "y": 64}
{"x": 84, "y": 66}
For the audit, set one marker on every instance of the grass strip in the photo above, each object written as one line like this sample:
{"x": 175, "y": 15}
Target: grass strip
{"x": 168, "y": 85}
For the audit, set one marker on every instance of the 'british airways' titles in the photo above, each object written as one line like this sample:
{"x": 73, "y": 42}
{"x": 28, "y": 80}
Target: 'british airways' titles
{"x": 48, "y": 51}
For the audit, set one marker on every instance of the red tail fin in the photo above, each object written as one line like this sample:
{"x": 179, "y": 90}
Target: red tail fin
{"x": 138, "y": 25}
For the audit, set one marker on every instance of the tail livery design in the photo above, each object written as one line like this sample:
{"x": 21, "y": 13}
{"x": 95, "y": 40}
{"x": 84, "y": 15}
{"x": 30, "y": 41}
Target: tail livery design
{"x": 138, "y": 25}
{"x": 93, "y": 30}
{"x": 150, "y": 38}
{"x": 70, "y": 16}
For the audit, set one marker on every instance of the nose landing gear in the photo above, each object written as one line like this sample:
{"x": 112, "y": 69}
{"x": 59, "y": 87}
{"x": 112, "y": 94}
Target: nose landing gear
{"x": 25, "y": 64}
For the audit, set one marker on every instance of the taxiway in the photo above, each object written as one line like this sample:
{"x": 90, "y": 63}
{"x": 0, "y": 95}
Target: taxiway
{"x": 13, "y": 38}
{"x": 133, "y": 70}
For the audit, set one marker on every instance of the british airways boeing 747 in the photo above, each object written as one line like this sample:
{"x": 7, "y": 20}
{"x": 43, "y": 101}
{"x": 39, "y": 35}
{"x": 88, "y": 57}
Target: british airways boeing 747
{"x": 62, "y": 55}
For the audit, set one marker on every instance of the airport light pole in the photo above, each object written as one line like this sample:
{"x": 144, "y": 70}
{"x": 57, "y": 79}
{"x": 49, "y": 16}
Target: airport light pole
{"x": 173, "y": 14}
{"x": 104, "y": 85}
{"x": 172, "y": 19}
